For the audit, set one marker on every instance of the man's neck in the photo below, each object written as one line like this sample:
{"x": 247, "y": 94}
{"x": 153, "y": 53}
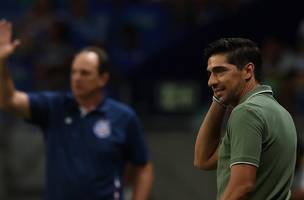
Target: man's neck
{"x": 248, "y": 87}
{"x": 90, "y": 103}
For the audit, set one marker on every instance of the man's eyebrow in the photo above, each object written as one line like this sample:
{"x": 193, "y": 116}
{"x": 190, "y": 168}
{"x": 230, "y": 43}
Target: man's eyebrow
{"x": 216, "y": 68}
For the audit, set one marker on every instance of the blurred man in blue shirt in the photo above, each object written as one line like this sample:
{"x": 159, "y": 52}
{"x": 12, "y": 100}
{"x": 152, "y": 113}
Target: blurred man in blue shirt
{"x": 89, "y": 138}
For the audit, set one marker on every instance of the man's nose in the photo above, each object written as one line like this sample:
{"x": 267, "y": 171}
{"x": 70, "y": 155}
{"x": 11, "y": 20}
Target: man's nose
{"x": 75, "y": 76}
{"x": 212, "y": 80}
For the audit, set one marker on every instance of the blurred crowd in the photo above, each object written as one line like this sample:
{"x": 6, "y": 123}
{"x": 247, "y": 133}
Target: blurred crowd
{"x": 134, "y": 32}
{"x": 284, "y": 71}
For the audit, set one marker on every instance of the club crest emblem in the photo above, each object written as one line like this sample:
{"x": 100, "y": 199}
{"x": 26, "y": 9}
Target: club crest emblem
{"x": 102, "y": 128}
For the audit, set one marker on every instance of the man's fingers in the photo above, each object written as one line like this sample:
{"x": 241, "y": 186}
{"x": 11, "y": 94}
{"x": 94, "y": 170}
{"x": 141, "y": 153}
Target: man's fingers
{"x": 5, "y": 30}
{"x": 4, "y": 23}
{"x": 16, "y": 43}
{"x": 6, "y": 33}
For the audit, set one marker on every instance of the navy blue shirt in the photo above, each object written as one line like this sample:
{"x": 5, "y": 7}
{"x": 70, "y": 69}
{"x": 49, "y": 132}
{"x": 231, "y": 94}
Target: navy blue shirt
{"x": 86, "y": 154}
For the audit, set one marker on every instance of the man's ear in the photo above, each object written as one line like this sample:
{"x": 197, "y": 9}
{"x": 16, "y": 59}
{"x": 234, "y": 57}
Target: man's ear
{"x": 248, "y": 71}
{"x": 104, "y": 79}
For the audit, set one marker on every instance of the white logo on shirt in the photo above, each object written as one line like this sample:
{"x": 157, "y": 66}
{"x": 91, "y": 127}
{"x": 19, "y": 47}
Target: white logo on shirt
{"x": 102, "y": 128}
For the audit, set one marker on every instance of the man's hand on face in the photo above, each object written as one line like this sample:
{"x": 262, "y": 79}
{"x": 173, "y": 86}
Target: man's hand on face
{"x": 218, "y": 100}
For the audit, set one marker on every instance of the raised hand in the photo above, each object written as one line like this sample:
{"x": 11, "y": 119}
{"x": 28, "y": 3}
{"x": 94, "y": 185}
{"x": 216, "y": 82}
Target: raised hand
{"x": 7, "y": 46}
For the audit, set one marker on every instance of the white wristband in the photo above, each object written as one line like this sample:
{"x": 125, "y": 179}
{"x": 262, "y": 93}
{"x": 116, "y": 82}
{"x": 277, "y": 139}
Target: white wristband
{"x": 216, "y": 99}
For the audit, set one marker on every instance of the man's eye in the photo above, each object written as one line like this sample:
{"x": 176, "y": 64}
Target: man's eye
{"x": 84, "y": 73}
{"x": 219, "y": 70}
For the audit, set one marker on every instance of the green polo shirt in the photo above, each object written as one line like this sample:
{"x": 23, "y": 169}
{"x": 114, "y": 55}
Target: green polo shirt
{"x": 260, "y": 132}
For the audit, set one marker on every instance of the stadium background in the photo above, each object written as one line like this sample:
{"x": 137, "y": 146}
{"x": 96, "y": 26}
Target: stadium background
{"x": 156, "y": 52}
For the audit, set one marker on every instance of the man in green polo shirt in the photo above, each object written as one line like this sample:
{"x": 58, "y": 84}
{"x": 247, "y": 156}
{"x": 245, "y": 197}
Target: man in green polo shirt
{"x": 256, "y": 156}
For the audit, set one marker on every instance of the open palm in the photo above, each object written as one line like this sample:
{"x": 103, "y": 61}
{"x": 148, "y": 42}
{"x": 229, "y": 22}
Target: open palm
{"x": 7, "y": 46}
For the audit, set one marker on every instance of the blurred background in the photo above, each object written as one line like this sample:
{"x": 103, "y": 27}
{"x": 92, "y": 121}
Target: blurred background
{"x": 156, "y": 49}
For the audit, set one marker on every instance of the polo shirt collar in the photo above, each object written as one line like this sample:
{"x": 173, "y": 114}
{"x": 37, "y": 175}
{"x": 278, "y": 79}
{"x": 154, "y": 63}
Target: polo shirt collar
{"x": 257, "y": 90}
{"x": 102, "y": 107}
{"x": 71, "y": 103}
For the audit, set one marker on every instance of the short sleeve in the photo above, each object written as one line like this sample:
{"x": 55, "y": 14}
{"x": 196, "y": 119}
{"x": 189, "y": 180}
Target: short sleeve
{"x": 245, "y": 130}
{"x": 40, "y": 107}
{"x": 137, "y": 150}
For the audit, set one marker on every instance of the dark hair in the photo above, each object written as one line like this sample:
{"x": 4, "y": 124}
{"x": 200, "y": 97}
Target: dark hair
{"x": 103, "y": 59}
{"x": 239, "y": 52}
